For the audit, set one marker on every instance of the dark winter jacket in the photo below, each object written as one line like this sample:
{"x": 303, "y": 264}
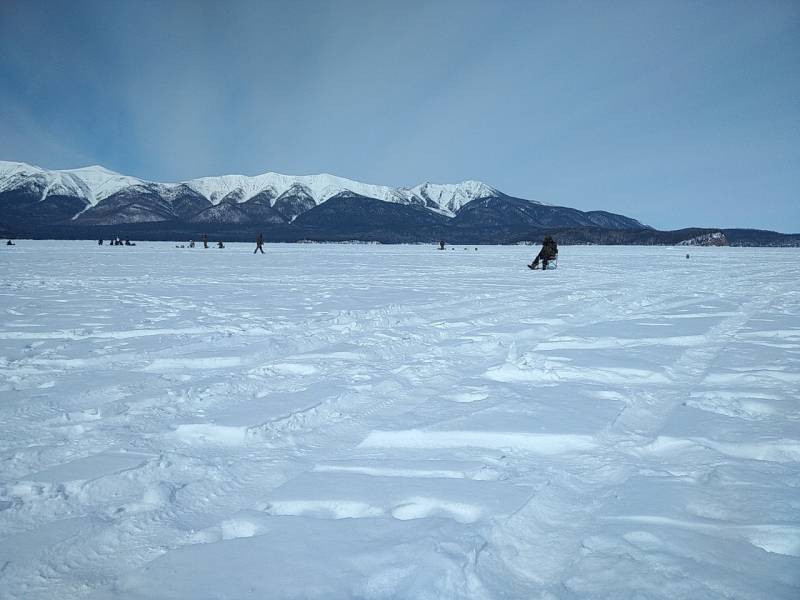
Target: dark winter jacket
{"x": 549, "y": 249}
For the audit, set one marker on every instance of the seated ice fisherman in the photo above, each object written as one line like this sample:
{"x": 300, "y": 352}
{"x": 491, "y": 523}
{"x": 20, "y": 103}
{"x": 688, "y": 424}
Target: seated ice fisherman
{"x": 549, "y": 252}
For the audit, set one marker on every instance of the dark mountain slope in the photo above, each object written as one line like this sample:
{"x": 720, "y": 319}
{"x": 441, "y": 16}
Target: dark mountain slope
{"x": 186, "y": 202}
{"x": 259, "y": 209}
{"x": 505, "y": 213}
{"x": 25, "y": 206}
{"x": 350, "y": 216}
{"x": 222, "y": 213}
{"x": 135, "y": 204}
{"x": 294, "y": 202}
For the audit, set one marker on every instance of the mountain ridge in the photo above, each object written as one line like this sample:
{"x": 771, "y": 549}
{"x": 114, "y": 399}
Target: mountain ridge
{"x": 32, "y": 198}
{"x": 96, "y": 183}
{"x": 94, "y": 201}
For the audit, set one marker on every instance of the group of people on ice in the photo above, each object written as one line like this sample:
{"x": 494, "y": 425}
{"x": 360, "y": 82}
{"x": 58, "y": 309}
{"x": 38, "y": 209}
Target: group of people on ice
{"x": 547, "y": 257}
{"x": 205, "y": 242}
{"x": 117, "y": 241}
{"x": 259, "y": 243}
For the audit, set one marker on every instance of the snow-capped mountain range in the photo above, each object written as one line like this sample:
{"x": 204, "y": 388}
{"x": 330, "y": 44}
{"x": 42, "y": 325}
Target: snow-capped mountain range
{"x": 36, "y": 200}
{"x": 94, "y": 184}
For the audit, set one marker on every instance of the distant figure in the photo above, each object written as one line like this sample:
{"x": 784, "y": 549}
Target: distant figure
{"x": 127, "y": 242}
{"x": 10, "y": 243}
{"x": 191, "y": 243}
{"x": 220, "y": 244}
{"x": 687, "y": 256}
{"x": 205, "y": 240}
{"x": 548, "y": 252}
{"x": 99, "y": 242}
{"x": 441, "y": 244}
{"x": 259, "y": 244}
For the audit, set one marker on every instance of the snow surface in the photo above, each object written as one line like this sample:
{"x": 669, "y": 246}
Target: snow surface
{"x": 359, "y": 421}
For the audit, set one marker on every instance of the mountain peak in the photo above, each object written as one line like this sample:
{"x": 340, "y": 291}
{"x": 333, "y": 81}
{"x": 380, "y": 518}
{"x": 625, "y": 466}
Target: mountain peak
{"x": 450, "y": 197}
{"x": 92, "y": 169}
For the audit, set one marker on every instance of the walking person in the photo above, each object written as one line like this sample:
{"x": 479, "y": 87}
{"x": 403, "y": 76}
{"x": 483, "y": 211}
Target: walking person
{"x": 259, "y": 244}
{"x": 205, "y": 240}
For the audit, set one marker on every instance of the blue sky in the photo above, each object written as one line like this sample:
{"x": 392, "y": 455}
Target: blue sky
{"x": 676, "y": 113}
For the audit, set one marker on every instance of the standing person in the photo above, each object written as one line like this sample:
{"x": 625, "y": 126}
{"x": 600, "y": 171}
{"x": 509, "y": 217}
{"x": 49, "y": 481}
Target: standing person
{"x": 441, "y": 244}
{"x": 259, "y": 244}
{"x": 205, "y": 240}
{"x": 548, "y": 252}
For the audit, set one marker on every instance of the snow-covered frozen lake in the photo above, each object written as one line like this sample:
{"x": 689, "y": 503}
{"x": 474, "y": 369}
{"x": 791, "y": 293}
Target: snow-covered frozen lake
{"x": 356, "y": 421}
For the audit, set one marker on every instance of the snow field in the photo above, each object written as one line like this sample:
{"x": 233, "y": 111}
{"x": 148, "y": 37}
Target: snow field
{"x": 355, "y": 421}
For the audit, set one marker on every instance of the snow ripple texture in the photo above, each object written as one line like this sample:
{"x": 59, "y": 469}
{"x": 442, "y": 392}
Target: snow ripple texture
{"x": 354, "y": 421}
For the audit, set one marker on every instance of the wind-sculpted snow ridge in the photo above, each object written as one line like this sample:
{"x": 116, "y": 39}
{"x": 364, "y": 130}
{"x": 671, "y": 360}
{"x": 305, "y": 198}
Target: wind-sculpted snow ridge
{"x": 398, "y": 422}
